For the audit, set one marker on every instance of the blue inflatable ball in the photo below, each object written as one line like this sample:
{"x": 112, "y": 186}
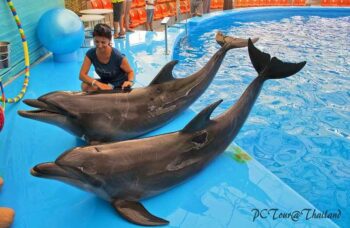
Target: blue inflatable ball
{"x": 60, "y": 31}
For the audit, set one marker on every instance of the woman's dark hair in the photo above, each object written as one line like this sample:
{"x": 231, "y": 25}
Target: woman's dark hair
{"x": 102, "y": 30}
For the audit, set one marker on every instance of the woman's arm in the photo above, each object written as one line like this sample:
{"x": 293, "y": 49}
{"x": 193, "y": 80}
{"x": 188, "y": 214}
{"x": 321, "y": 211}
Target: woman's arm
{"x": 125, "y": 66}
{"x": 90, "y": 82}
{"x": 84, "y": 70}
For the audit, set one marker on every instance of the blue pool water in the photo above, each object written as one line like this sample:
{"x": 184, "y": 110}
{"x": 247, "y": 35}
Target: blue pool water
{"x": 300, "y": 126}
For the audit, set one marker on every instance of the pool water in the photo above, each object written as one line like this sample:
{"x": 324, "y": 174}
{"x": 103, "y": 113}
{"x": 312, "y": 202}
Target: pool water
{"x": 299, "y": 127}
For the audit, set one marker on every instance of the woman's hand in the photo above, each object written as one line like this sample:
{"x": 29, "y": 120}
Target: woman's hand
{"x": 130, "y": 73}
{"x": 103, "y": 86}
{"x": 127, "y": 84}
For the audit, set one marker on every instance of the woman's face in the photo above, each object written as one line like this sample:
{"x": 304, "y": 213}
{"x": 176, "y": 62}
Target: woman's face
{"x": 101, "y": 42}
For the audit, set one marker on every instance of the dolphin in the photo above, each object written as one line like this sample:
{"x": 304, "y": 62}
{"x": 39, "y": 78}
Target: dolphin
{"x": 120, "y": 115}
{"x": 125, "y": 172}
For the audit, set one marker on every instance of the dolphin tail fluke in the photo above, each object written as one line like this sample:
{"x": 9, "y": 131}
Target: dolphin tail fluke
{"x": 136, "y": 213}
{"x": 271, "y": 68}
{"x": 278, "y": 69}
{"x": 232, "y": 42}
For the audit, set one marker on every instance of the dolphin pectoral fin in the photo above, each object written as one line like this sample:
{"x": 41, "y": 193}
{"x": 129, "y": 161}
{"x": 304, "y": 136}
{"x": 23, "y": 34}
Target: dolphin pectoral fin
{"x": 201, "y": 120}
{"x": 258, "y": 58}
{"x": 136, "y": 213}
{"x": 165, "y": 74}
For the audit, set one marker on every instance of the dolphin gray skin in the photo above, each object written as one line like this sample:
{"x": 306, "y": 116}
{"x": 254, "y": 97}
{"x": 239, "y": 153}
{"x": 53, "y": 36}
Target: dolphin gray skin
{"x": 125, "y": 172}
{"x": 115, "y": 116}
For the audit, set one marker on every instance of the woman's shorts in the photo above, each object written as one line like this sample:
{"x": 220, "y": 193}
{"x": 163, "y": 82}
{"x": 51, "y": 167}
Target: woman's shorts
{"x": 150, "y": 13}
{"x": 118, "y": 9}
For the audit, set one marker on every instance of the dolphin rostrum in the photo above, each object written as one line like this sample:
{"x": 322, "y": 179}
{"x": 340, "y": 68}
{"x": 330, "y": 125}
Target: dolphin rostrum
{"x": 125, "y": 172}
{"x": 115, "y": 116}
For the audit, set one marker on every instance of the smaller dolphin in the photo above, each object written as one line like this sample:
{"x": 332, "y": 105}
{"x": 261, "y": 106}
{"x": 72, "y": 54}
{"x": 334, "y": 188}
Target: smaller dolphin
{"x": 125, "y": 172}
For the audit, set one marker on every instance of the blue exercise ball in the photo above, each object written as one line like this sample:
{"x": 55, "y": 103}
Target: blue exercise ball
{"x": 60, "y": 31}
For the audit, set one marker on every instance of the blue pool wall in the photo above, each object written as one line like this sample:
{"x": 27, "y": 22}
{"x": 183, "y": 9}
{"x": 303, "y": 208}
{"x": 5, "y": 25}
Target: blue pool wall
{"x": 29, "y": 13}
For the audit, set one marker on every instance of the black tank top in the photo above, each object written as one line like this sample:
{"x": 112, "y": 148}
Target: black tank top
{"x": 111, "y": 71}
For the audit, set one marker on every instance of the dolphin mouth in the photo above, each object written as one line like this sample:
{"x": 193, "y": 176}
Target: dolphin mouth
{"x": 39, "y": 114}
{"x": 36, "y": 103}
{"x": 49, "y": 170}
{"x": 43, "y": 110}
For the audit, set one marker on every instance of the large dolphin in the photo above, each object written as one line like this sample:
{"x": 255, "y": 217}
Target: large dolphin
{"x": 115, "y": 116}
{"x": 125, "y": 172}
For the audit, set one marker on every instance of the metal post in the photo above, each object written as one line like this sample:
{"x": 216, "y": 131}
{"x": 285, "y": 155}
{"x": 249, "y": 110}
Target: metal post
{"x": 166, "y": 39}
{"x": 165, "y": 22}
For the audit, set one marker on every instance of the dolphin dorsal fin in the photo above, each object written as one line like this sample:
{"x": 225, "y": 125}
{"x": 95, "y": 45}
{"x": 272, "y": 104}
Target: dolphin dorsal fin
{"x": 136, "y": 213}
{"x": 201, "y": 120}
{"x": 165, "y": 74}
